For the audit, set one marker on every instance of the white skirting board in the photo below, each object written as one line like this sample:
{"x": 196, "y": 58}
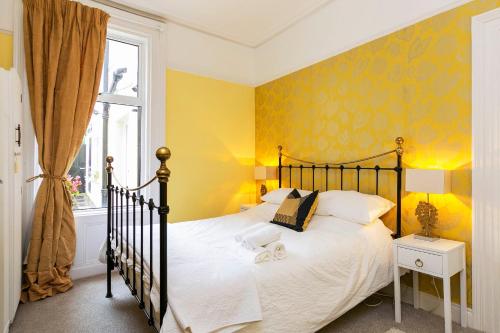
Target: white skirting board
{"x": 81, "y": 272}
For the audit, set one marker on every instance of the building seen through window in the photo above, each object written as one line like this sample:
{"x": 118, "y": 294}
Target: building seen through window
{"x": 114, "y": 129}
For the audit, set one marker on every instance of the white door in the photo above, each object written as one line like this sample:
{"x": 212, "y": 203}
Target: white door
{"x": 10, "y": 195}
{"x": 4, "y": 208}
{"x": 17, "y": 185}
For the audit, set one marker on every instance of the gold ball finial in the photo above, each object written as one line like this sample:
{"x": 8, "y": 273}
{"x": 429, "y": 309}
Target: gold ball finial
{"x": 163, "y": 153}
{"x": 163, "y": 173}
{"x": 109, "y": 160}
{"x": 399, "y": 149}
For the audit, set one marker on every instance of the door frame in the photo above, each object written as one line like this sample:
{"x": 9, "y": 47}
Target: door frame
{"x": 485, "y": 169}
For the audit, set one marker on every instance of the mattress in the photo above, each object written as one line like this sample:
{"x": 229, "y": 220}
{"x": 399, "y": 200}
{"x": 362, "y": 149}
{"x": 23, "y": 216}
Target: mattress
{"x": 330, "y": 268}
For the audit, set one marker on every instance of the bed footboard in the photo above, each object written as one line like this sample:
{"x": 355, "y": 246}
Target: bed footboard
{"x": 124, "y": 251}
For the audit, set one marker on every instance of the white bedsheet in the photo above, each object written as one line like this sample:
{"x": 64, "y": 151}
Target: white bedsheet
{"x": 329, "y": 269}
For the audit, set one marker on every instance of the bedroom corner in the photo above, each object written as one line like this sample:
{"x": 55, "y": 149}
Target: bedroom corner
{"x": 211, "y": 131}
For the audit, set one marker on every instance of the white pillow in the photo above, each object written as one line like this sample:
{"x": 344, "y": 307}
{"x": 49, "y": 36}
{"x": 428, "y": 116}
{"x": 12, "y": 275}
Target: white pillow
{"x": 277, "y": 196}
{"x": 353, "y": 206}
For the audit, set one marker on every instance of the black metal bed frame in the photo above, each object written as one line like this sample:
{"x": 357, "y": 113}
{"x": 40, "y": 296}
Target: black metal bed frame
{"x": 341, "y": 166}
{"x": 115, "y": 231}
{"x": 115, "y": 217}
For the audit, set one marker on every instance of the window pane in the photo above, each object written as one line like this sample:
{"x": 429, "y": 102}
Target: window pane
{"x": 120, "y": 70}
{"x": 121, "y": 123}
{"x": 123, "y": 143}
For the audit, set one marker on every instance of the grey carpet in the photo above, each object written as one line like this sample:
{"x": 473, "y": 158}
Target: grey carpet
{"x": 84, "y": 309}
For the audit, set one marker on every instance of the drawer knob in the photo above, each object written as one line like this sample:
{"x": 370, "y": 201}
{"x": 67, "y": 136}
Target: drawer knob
{"x": 419, "y": 263}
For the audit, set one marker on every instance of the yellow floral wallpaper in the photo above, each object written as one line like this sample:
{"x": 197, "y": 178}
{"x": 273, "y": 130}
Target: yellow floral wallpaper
{"x": 414, "y": 83}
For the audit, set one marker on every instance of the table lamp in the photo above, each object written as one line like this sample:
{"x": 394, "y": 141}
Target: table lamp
{"x": 264, "y": 173}
{"x": 430, "y": 182}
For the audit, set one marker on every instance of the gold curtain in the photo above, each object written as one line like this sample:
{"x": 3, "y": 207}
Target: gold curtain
{"x": 64, "y": 49}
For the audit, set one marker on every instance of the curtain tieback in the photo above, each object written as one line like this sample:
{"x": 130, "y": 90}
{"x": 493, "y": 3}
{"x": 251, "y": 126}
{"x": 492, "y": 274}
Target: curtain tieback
{"x": 44, "y": 175}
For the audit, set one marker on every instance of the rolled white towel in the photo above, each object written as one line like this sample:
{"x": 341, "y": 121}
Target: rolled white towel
{"x": 277, "y": 250}
{"x": 255, "y": 256}
{"x": 261, "y": 237}
{"x": 239, "y": 236}
{"x": 102, "y": 253}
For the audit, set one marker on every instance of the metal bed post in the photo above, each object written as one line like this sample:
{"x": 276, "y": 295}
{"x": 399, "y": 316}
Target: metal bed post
{"x": 141, "y": 301}
{"x": 109, "y": 252}
{"x": 134, "y": 288}
{"x": 163, "y": 173}
{"x": 279, "y": 166}
{"x": 115, "y": 211}
{"x": 127, "y": 197}
{"x": 151, "y": 207}
{"x": 122, "y": 273}
{"x": 399, "y": 170}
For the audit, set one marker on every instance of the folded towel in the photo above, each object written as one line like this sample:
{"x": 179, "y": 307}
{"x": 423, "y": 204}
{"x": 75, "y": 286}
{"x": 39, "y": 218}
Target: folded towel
{"x": 114, "y": 244}
{"x": 277, "y": 250}
{"x": 102, "y": 253}
{"x": 261, "y": 237}
{"x": 255, "y": 256}
{"x": 239, "y": 236}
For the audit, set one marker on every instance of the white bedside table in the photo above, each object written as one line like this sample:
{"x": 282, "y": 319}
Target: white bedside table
{"x": 443, "y": 259}
{"x": 247, "y": 206}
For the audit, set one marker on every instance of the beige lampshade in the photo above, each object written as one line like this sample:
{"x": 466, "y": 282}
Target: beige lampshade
{"x": 428, "y": 181}
{"x": 265, "y": 173}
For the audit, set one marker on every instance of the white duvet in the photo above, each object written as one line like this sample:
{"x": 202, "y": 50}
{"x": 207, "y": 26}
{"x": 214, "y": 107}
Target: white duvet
{"x": 329, "y": 269}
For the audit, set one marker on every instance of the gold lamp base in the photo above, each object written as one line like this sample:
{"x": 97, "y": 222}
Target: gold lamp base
{"x": 427, "y": 215}
{"x": 263, "y": 189}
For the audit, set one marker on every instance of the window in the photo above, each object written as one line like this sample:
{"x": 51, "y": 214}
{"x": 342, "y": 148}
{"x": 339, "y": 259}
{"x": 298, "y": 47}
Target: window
{"x": 116, "y": 125}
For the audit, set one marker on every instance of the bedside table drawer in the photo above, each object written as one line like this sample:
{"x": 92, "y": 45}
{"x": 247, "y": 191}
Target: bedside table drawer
{"x": 420, "y": 261}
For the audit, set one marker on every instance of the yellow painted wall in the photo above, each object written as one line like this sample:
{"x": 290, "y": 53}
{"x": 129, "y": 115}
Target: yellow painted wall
{"x": 211, "y": 133}
{"x": 5, "y": 50}
{"x": 414, "y": 83}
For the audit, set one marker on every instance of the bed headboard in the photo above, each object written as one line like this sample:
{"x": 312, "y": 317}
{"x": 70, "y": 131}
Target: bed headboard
{"x": 339, "y": 167}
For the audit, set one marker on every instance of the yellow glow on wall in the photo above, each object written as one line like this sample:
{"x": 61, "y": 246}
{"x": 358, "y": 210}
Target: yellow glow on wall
{"x": 5, "y": 50}
{"x": 414, "y": 83}
{"x": 211, "y": 132}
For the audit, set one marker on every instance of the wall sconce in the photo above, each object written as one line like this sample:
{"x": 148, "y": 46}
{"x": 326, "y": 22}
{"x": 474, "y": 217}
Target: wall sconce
{"x": 265, "y": 173}
{"x": 427, "y": 181}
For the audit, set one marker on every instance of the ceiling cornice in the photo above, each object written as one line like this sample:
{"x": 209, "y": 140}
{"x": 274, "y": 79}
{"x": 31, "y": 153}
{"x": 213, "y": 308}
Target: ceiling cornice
{"x": 169, "y": 17}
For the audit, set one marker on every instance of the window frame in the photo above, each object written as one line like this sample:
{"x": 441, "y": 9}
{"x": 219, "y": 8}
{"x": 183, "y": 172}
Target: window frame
{"x": 119, "y": 35}
{"x": 139, "y": 101}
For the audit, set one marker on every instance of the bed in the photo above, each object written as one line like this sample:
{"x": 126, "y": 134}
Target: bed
{"x": 330, "y": 268}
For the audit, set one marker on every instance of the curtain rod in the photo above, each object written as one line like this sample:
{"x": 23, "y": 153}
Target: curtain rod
{"x": 131, "y": 10}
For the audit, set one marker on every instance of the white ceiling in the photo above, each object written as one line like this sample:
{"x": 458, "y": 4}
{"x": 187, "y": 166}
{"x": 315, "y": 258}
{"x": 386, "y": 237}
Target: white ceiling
{"x": 247, "y": 22}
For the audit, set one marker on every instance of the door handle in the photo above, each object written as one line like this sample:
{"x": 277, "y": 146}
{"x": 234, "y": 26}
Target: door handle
{"x": 18, "y": 130}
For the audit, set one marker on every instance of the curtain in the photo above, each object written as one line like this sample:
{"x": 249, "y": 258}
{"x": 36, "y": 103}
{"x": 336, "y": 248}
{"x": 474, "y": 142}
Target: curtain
{"x": 64, "y": 50}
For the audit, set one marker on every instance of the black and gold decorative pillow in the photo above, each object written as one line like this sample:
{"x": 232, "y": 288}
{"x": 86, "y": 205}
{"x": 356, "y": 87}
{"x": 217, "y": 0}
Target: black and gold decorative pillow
{"x": 295, "y": 212}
